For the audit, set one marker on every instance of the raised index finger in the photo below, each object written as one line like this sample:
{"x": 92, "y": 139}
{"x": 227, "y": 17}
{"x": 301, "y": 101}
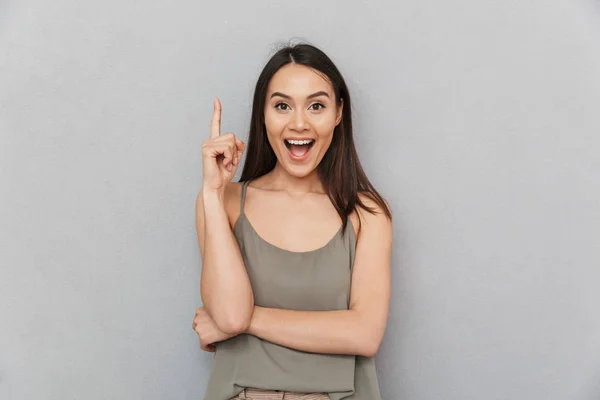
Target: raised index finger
{"x": 215, "y": 122}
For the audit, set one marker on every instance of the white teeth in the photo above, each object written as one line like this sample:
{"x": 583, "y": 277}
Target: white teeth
{"x": 299, "y": 142}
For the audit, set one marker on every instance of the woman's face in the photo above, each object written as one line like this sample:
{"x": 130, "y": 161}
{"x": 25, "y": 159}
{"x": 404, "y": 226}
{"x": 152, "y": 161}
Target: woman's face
{"x": 300, "y": 116}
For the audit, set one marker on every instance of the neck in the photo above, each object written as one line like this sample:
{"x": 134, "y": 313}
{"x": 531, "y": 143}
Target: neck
{"x": 280, "y": 179}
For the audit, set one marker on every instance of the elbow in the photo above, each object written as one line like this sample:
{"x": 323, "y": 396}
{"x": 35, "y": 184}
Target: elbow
{"x": 234, "y": 324}
{"x": 369, "y": 349}
{"x": 232, "y": 317}
{"x": 233, "y": 327}
{"x": 369, "y": 344}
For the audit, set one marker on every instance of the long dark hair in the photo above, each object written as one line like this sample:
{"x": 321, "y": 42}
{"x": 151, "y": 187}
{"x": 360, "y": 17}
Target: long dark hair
{"x": 340, "y": 170}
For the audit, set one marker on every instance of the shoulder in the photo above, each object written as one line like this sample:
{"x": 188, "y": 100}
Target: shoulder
{"x": 372, "y": 219}
{"x": 232, "y": 199}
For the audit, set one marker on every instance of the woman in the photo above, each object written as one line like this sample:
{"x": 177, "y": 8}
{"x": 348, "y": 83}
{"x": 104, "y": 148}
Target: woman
{"x": 296, "y": 256}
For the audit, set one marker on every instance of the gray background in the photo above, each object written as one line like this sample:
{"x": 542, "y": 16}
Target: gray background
{"x": 478, "y": 121}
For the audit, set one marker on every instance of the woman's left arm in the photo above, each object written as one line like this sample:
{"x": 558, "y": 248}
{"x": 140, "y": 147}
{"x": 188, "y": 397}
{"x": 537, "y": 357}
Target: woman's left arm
{"x": 358, "y": 330}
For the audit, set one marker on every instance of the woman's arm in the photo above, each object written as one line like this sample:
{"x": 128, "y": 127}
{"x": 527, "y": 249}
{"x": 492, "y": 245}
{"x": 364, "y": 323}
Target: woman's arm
{"x": 358, "y": 330}
{"x": 224, "y": 285}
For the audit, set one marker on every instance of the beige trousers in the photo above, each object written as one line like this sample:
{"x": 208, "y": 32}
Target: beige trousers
{"x": 260, "y": 394}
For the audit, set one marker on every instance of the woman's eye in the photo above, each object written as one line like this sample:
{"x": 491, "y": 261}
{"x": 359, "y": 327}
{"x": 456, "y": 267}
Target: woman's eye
{"x": 281, "y": 104}
{"x": 317, "y": 104}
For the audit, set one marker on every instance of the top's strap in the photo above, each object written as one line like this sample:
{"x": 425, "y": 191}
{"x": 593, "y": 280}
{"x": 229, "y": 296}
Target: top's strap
{"x": 243, "y": 196}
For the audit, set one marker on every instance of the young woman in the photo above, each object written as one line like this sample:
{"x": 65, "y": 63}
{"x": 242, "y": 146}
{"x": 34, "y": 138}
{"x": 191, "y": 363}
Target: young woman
{"x": 296, "y": 256}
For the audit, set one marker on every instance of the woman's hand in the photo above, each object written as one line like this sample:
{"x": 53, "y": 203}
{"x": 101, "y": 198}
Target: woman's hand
{"x": 221, "y": 155}
{"x": 207, "y": 330}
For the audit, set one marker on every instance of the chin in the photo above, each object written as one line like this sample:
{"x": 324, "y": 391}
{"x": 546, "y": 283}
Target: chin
{"x": 294, "y": 169}
{"x": 300, "y": 171}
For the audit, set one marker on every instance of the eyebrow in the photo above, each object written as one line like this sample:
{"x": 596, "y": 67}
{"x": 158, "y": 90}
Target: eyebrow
{"x": 285, "y": 96}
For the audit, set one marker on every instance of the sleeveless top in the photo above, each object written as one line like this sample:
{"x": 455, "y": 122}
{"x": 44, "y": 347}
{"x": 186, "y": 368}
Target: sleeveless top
{"x": 317, "y": 280}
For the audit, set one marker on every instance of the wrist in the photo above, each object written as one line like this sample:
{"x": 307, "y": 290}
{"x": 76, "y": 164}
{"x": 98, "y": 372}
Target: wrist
{"x": 251, "y": 330}
{"x": 212, "y": 196}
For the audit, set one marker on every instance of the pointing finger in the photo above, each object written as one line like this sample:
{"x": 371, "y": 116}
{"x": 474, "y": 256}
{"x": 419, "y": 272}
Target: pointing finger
{"x": 215, "y": 122}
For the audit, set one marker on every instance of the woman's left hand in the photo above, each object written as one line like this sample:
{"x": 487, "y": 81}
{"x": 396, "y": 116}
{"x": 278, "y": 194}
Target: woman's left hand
{"x": 207, "y": 330}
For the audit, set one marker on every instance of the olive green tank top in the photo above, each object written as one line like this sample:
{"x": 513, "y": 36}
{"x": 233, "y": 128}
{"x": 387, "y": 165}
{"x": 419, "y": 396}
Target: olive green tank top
{"x": 317, "y": 280}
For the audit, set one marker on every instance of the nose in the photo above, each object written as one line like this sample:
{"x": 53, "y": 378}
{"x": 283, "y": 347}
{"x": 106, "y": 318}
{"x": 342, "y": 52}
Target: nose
{"x": 299, "y": 121}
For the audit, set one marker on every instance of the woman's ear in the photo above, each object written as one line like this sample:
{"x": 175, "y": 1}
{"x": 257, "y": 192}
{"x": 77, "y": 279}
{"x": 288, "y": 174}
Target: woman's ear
{"x": 338, "y": 117}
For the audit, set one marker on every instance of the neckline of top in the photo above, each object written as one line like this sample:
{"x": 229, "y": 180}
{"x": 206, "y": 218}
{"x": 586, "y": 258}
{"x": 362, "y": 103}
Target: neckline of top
{"x": 281, "y": 249}
{"x": 261, "y": 239}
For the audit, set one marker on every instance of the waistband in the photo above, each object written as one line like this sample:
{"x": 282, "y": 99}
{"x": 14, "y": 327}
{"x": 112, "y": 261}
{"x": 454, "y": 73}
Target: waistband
{"x": 261, "y": 394}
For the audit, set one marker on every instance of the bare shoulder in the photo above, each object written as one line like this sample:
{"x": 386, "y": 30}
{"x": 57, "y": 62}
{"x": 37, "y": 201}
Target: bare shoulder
{"x": 376, "y": 223}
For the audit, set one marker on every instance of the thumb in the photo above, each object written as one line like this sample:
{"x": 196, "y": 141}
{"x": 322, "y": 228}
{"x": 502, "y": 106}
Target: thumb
{"x": 240, "y": 145}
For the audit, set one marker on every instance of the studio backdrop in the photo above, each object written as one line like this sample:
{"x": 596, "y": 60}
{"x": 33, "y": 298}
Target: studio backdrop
{"x": 478, "y": 121}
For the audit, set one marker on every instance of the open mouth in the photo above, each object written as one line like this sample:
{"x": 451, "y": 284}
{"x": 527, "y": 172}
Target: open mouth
{"x": 299, "y": 149}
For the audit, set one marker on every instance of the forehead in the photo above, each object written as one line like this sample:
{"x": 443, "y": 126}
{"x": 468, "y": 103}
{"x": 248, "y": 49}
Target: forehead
{"x": 299, "y": 80}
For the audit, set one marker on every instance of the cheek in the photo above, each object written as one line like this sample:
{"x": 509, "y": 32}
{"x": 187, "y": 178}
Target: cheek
{"x": 274, "y": 132}
{"x": 326, "y": 121}
{"x": 274, "y": 123}
{"x": 325, "y": 128}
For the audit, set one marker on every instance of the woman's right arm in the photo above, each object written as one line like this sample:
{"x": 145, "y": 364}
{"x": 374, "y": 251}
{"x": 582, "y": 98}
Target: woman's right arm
{"x": 224, "y": 284}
